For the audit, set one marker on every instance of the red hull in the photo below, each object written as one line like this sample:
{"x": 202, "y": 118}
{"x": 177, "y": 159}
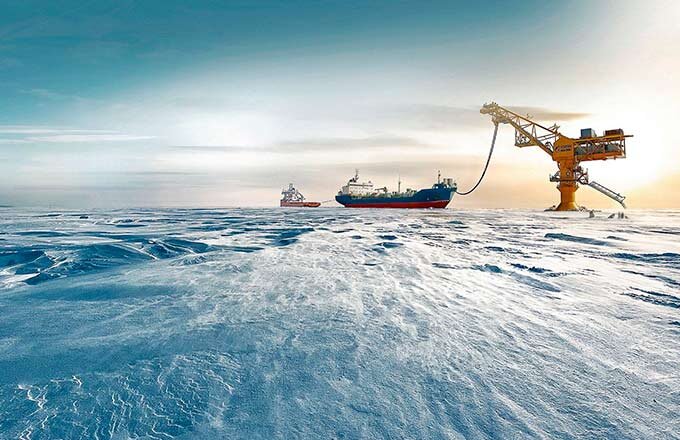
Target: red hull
{"x": 300, "y": 204}
{"x": 432, "y": 204}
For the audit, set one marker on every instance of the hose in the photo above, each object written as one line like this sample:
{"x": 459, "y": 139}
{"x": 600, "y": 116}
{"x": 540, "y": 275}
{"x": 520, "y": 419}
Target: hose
{"x": 486, "y": 167}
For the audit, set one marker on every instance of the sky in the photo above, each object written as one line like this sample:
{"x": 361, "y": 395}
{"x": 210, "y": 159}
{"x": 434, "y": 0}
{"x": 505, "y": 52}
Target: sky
{"x": 134, "y": 103}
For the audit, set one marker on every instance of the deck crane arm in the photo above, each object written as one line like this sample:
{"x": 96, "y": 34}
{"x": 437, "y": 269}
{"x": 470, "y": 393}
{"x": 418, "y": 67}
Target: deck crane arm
{"x": 567, "y": 152}
{"x": 527, "y": 133}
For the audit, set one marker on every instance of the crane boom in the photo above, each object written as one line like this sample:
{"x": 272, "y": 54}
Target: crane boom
{"x": 527, "y": 132}
{"x": 566, "y": 151}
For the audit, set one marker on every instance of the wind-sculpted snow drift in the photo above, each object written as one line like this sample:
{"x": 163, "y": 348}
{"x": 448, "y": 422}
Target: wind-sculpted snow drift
{"x": 333, "y": 323}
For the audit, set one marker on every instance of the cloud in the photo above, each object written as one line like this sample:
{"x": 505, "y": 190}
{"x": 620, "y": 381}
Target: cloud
{"x": 341, "y": 143}
{"x": 41, "y": 129}
{"x": 436, "y": 117}
{"x": 329, "y": 144}
{"x": 12, "y": 141}
{"x": 88, "y": 138}
{"x": 161, "y": 173}
{"x": 57, "y": 134}
{"x": 542, "y": 114}
{"x": 398, "y": 116}
{"x": 218, "y": 148}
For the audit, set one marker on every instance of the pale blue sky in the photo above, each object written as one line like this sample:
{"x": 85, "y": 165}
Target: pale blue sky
{"x": 221, "y": 103}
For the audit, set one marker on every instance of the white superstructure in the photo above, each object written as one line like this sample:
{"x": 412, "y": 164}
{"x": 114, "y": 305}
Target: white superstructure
{"x": 292, "y": 195}
{"x": 356, "y": 188}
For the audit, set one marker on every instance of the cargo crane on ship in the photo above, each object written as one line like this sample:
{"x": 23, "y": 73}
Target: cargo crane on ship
{"x": 292, "y": 198}
{"x": 566, "y": 151}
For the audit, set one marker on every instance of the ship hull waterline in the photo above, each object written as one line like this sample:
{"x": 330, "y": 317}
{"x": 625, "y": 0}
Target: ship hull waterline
{"x": 299, "y": 204}
{"x": 439, "y": 204}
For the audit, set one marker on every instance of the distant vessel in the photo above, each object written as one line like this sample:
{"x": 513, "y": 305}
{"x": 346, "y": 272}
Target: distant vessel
{"x": 292, "y": 198}
{"x": 362, "y": 195}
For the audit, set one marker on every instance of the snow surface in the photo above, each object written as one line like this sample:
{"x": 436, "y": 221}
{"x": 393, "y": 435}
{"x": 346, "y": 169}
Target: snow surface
{"x": 338, "y": 323}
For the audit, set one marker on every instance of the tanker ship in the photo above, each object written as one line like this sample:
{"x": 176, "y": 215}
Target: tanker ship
{"x": 362, "y": 195}
{"x": 292, "y": 198}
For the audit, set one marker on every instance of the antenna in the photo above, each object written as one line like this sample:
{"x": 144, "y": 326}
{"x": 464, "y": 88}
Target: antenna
{"x": 439, "y": 176}
{"x": 399, "y": 183}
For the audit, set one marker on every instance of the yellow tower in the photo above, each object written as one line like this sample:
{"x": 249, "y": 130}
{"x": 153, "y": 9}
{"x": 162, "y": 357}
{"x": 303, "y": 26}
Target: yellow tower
{"x": 567, "y": 152}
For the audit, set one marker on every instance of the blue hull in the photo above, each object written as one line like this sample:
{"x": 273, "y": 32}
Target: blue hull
{"x": 425, "y": 198}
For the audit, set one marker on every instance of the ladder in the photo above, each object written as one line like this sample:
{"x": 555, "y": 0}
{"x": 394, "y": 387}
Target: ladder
{"x": 608, "y": 192}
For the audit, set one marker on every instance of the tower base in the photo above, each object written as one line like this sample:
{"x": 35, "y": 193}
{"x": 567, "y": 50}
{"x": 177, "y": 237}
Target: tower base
{"x": 567, "y": 207}
{"x": 567, "y": 196}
